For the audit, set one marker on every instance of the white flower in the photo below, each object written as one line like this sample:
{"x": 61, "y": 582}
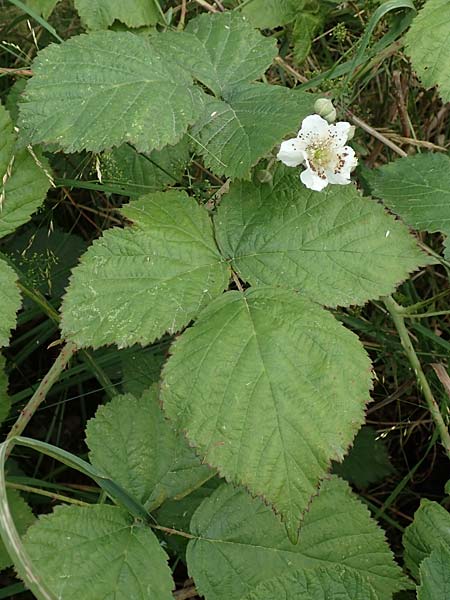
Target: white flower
{"x": 321, "y": 148}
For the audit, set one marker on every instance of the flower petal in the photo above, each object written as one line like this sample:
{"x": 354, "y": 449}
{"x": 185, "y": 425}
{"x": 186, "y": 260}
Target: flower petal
{"x": 312, "y": 181}
{"x": 346, "y": 162}
{"x": 313, "y": 128}
{"x": 291, "y": 153}
{"x": 339, "y": 133}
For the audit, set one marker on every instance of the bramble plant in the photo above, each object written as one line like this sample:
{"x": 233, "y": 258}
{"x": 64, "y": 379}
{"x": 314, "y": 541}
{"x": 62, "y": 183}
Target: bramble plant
{"x": 247, "y": 220}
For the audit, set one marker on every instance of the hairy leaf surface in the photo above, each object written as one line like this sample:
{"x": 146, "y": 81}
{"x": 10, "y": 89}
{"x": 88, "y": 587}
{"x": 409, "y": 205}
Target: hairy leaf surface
{"x": 241, "y": 543}
{"x": 335, "y": 246}
{"x": 233, "y": 51}
{"x": 417, "y": 188}
{"x": 99, "y": 90}
{"x": 320, "y": 583}
{"x": 232, "y": 135}
{"x": 98, "y": 552}
{"x": 134, "y": 284}
{"x": 132, "y": 443}
{"x": 427, "y": 44}
{"x": 435, "y": 575}
{"x": 23, "y": 182}
{"x": 270, "y": 388}
{"x": 429, "y": 530}
{"x": 100, "y": 14}
{"x": 10, "y": 301}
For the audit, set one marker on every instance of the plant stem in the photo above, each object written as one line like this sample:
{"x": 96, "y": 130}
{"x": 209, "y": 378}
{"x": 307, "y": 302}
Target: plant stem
{"x": 437, "y": 313}
{"x": 40, "y": 394}
{"x": 53, "y": 495}
{"x": 398, "y": 316}
{"x": 171, "y": 531}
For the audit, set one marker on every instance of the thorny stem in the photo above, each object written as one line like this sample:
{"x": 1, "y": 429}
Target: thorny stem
{"x": 398, "y": 316}
{"x": 40, "y": 394}
{"x": 171, "y": 531}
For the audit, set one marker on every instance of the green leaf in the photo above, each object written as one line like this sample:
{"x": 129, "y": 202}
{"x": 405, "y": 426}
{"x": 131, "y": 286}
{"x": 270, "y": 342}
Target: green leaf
{"x": 98, "y": 552}
{"x": 268, "y": 14}
{"x": 233, "y": 51}
{"x": 10, "y": 301}
{"x": 368, "y": 460}
{"x": 140, "y": 174}
{"x": 99, "y": 90}
{"x": 316, "y": 584}
{"x": 427, "y": 44}
{"x": 242, "y": 544}
{"x": 23, "y": 518}
{"x": 141, "y": 369}
{"x": 335, "y": 246}
{"x": 270, "y": 388}
{"x": 177, "y": 514}
{"x": 42, "y": 7}
{"x": 23, "y": 181}
{"x": 135, "y": 284}
{"x": 100, "y": 14}
{"x": 430, "y": 530}
{"x": 305, "y": 28}
{"x": 232, "y": 135}
{"x": 417, "y": 188}
{"x": 131, "y": 442}
{"x": 435, "y": 576}
{"x": 7, "y": 140}
{"x": 5, "y": 402}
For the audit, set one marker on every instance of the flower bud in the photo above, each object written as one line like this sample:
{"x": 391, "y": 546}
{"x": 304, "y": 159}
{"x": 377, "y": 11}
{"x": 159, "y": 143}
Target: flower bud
{"x": 324, "y": 107}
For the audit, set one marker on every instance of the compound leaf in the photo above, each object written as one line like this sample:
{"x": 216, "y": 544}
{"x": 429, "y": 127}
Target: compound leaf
{"x": 427, "y": 44}
{"x": 99, "y": 90}
{"x": 270, "y": 388}
{"x": 429, "y": 530}
{"x": 132, "y": 443}
{"x": 24, "y": 183}
{"x": 335, "y": 246}
{"x": 100, "y": 14}
{"x": 98, "y": 552}
{"x": 10, "y": 301}
{"x": 242, "y": 544}
{"x": 134, "y": 284}
{"x": 232, "y": 135}
{"x": 417, "y": 188}
{"x": 435, "y": 575}
{"x": 22, "y": 517}
{"x": 319, "y": 583}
